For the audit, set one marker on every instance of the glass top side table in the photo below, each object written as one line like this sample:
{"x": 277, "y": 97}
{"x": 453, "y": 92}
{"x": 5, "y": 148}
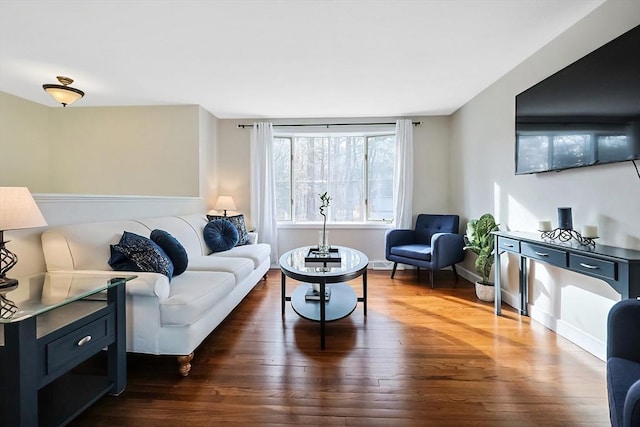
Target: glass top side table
{"x": 50, "y": 324}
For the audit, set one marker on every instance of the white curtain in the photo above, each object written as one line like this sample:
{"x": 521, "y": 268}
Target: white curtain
{"x": 263, "y": 196}
{"x": 403, "y": 175}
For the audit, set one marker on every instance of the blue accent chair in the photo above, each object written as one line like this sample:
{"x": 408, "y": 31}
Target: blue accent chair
{"x": 623, "y": 363}
{"x": 434, "y": 244}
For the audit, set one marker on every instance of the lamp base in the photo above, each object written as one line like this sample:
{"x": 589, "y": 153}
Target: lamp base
{"x": 6, "y": 283}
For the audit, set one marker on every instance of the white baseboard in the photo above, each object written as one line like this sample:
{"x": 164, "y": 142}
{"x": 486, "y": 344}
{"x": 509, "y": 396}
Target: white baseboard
{"x": 587, "y": 342}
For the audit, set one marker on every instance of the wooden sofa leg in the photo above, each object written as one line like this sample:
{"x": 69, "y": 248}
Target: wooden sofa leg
{"x": 393, "y": 272}
{"x": 184, "y": 364}
{"x": 431, "y": 278}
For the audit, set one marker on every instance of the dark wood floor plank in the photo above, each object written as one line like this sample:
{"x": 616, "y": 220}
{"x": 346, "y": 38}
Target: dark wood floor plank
{"x": 420, "y": 357}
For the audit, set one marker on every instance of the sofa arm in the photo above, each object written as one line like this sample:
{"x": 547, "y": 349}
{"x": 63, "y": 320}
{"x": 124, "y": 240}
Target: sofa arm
{"x": 446, "y": 249}
{"x": 146, "y": 284}
{"x": 253, "y": 238}
{"x": 623, "y": 330}
{"x": 631, "y": 416}
{"x": 397, "y": 237}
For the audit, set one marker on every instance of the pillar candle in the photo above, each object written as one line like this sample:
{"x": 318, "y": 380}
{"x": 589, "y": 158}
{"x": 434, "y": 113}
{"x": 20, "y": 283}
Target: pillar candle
{"x": 590, "y": 231}
{"x": 565, "y": 221}
{"x": 544, "y": 226}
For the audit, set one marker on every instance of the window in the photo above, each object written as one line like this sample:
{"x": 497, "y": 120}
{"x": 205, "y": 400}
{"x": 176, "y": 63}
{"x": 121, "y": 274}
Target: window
{"x": 356, "y": 170}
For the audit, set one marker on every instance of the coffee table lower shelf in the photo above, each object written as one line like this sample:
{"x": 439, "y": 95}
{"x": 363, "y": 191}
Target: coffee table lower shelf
{"x": 342, "y": 302}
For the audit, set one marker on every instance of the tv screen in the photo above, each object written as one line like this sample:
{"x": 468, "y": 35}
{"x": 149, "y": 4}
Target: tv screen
{"x": 585, "y": 114}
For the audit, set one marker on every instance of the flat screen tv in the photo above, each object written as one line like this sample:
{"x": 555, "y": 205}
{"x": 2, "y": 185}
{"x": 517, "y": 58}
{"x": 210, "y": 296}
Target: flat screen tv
{"x": 585, "y": 114}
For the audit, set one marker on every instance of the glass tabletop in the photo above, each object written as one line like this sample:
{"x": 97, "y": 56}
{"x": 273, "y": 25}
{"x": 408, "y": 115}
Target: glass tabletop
{"x": 39, "y": 294}
{"x": 303, "y": 261}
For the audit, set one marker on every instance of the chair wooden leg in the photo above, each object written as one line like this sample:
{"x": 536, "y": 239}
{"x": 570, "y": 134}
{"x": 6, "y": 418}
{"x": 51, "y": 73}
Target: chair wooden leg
{"x": 431, "y": 278}
{"x": 393, "y": 272}
{"x": 455, "y": 272}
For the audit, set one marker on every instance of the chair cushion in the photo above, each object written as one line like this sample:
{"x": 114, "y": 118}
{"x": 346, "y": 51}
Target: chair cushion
{"x": 220, "y": 235}
{"x": 429, "y": 224}
{"x": 621, "y": 375}
{"x": 173, "y": 248}
{"x": 421, "y": 252}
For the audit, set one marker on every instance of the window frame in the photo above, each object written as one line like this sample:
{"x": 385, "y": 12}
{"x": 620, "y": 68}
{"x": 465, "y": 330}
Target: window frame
{"x": 366, "y": 134}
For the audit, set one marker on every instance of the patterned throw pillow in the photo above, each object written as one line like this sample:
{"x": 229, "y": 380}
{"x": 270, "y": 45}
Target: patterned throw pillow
{"x": 220, "y": 235}
{"x": 138, "y": 253}
{"x": 172, "y": 247}
{"x": 238, "y": 222}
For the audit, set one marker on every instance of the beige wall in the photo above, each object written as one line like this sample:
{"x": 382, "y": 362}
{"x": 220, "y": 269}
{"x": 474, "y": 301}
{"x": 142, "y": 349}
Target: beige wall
{"x": 24, "y": 144}
{"x": 607, "y": 196}
{"x": 151, "y": 151}
{"x": 130, "y": 150}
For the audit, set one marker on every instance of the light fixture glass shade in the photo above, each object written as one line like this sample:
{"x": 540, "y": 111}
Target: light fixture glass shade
{"x": 18, "y": 209}
{"x": 63, "y": 93}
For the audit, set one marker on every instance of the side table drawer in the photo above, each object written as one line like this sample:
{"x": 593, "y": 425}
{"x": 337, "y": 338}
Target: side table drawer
{"x": 509, "y": 245}
{"x": 543, "y": 253}
{"x": 79, "y": 344}
{"x": 593, "y": 266}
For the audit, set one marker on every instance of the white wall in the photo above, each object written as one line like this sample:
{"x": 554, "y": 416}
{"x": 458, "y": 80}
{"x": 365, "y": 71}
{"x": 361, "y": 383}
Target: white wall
{"x": 608, "y": 196}
{"x": 431, "y": 180}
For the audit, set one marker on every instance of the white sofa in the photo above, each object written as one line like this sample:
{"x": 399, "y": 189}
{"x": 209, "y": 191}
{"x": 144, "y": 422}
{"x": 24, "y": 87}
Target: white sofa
{"x": 165, "y": 317}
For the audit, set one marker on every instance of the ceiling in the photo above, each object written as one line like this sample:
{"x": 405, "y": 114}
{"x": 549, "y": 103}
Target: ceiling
{"x": 276, "y": 59}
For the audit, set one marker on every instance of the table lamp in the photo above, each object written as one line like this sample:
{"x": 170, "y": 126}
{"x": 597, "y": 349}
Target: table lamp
{"x": 17, "y": 210}
{"x": 225, "y": 203}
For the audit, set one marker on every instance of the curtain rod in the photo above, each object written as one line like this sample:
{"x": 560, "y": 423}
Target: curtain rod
{"x": 327, "y": 125}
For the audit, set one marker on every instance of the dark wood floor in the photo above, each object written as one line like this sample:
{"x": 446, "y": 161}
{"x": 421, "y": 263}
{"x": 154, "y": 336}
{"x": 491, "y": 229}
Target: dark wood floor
{"x": 420, "y": 357}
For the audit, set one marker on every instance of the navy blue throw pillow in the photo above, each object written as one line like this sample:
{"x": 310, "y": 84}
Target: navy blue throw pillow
{"x": 172, "y": 247}
{"x": 220, "y": 235}
{"x": 138, "y": 253}
{"x": 238, "y": 222}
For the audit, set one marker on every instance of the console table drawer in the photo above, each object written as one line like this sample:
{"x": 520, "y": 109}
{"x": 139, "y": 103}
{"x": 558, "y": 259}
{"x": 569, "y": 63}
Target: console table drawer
{"x": 543, "y": 253}
{"x": 594, "y": 267}
{"x": 509, "y": 245}
{"x": 79, "y": 344}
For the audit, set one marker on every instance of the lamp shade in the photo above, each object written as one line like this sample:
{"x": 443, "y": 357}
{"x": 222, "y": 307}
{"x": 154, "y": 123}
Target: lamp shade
{"x": 225, "y": 203}
{"x": 18, "y": 209}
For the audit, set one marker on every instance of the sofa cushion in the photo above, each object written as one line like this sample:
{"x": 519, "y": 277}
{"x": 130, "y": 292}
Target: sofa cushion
{"x": 139, "y": 253}
{"x": 415, "y": 251}
{"x": 238, "y": 222}
{"x": 193, "y": 294}
{"x": 173, "y": 249}
{"x": 220, "y": 235}
{"x": 258, "y": 253}
{"x": 241, "y": 268}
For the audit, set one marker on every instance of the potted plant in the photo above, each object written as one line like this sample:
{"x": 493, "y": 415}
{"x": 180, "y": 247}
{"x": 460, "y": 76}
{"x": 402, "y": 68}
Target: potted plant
{"x": 323, "y": 244}
{"x": 479, "y": 240}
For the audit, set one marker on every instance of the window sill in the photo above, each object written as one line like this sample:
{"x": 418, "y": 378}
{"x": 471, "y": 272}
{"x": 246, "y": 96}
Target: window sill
{"x": 350, "y": 226}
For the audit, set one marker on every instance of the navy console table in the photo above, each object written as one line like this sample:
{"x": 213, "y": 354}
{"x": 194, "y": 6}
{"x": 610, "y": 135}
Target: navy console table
{"x": 619, "y": 267}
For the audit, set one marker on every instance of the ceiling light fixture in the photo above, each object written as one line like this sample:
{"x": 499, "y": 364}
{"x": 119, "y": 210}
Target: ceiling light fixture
{"x": 63, "y": 93}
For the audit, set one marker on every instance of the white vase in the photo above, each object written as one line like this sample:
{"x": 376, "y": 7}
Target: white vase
{"x": 485, "y": 292}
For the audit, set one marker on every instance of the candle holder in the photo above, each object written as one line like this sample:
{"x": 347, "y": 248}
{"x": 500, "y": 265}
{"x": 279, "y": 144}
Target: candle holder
{"x": 564, "y": 235}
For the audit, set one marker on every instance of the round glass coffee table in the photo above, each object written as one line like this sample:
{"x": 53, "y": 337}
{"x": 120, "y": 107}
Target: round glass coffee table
{"x": 342, "y": 264}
